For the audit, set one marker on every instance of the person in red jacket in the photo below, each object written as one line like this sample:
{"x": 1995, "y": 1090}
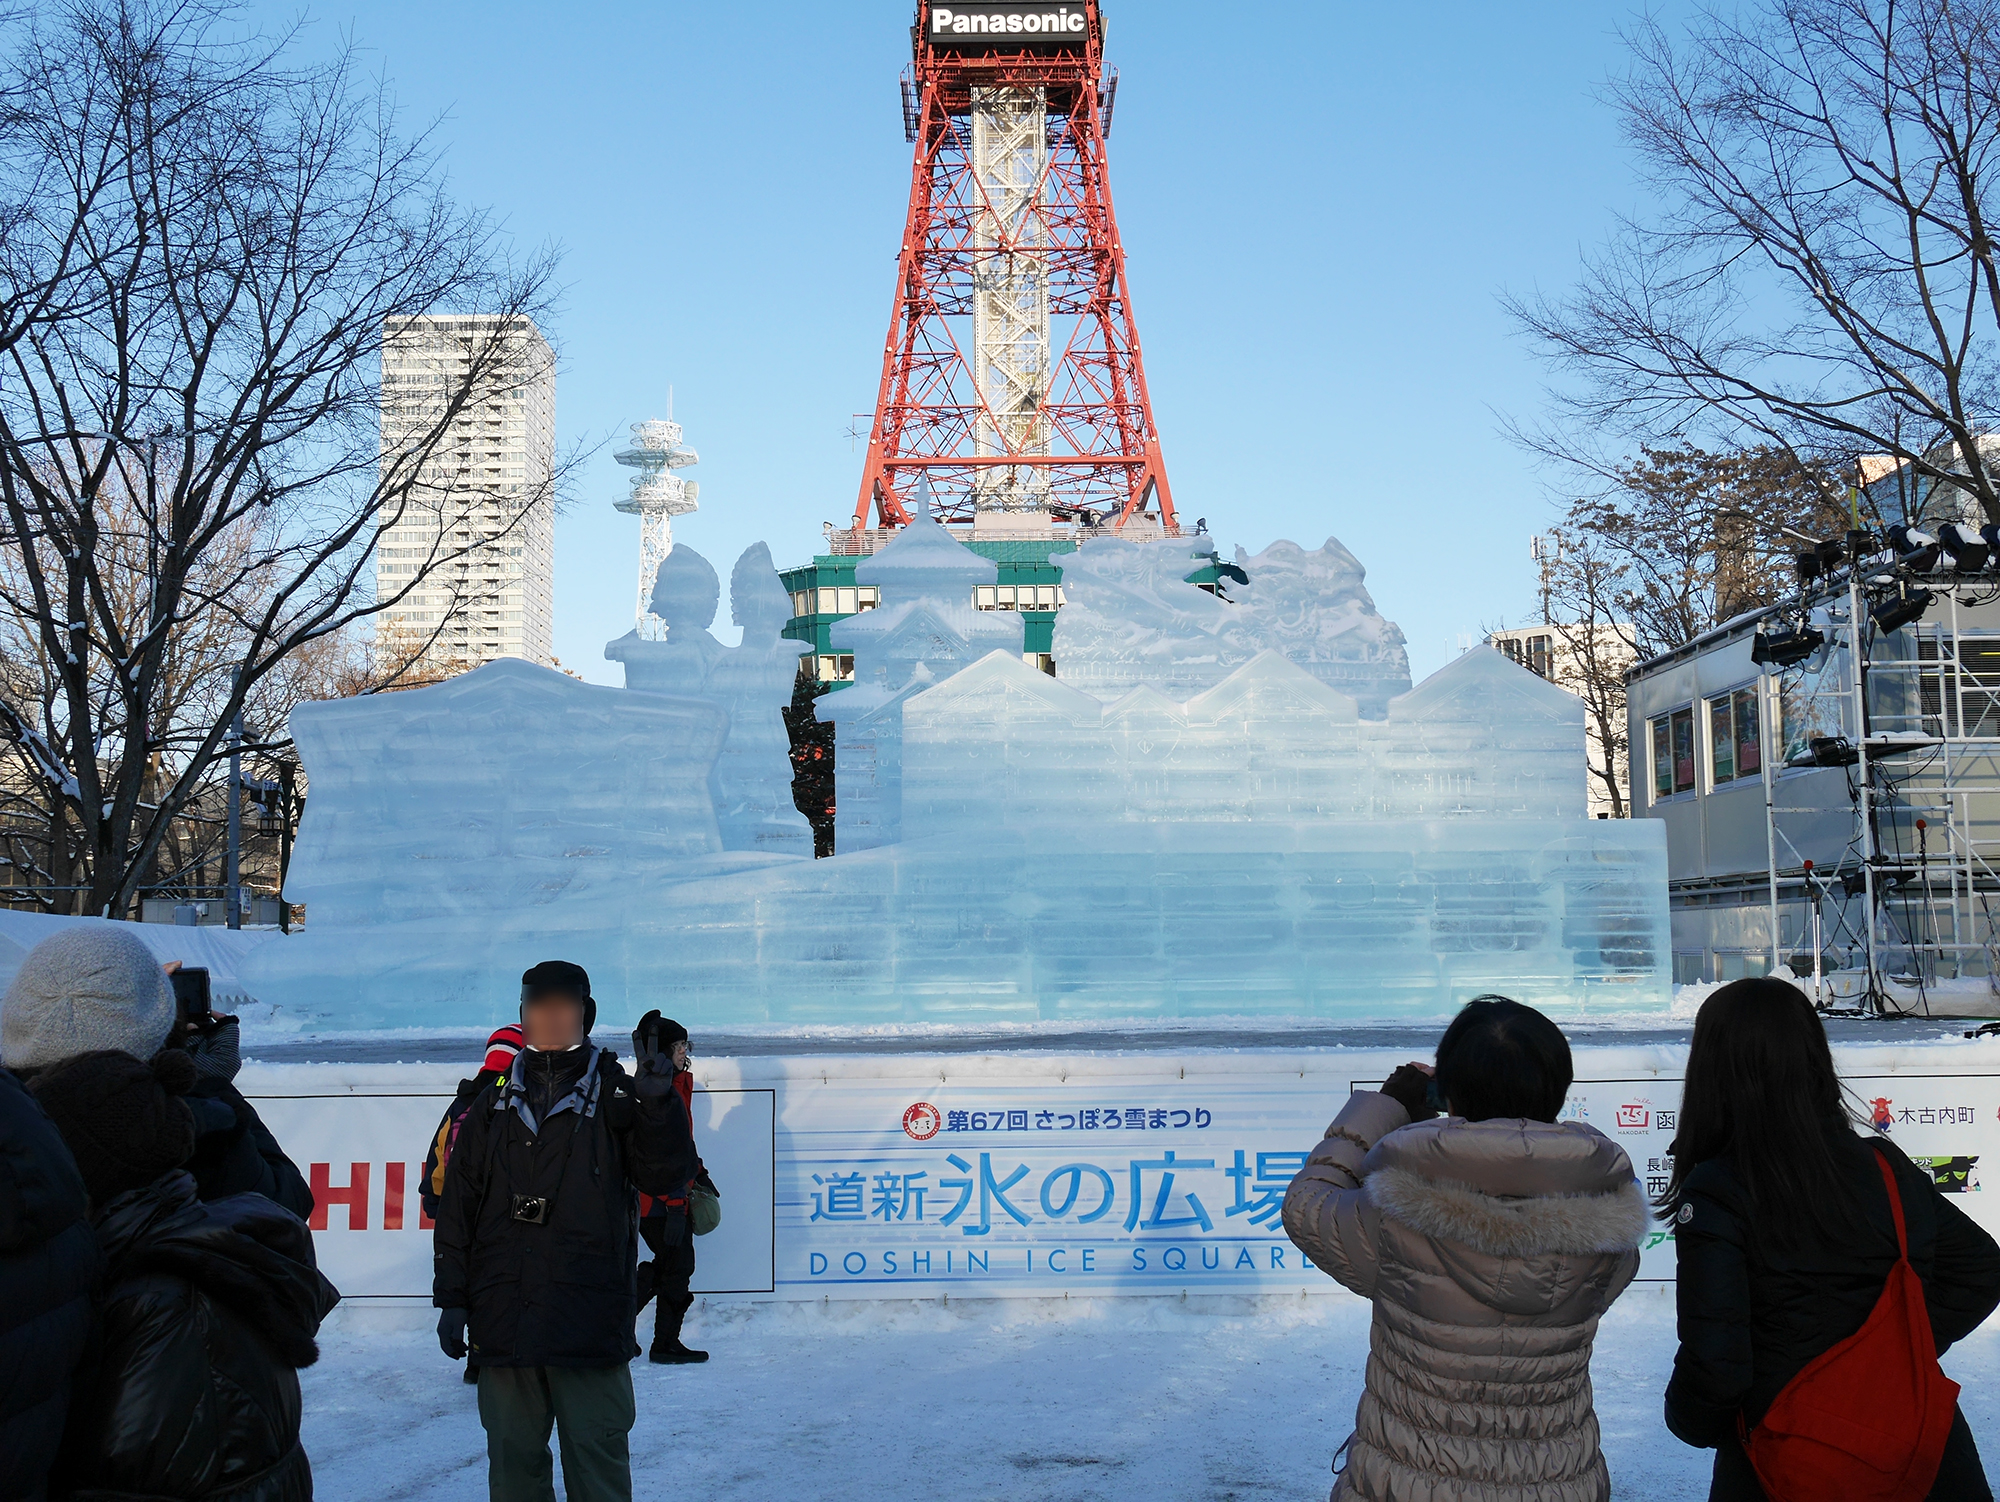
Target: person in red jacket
{"x": 502, "y": 1047}
{"x": 669, "y": 1230}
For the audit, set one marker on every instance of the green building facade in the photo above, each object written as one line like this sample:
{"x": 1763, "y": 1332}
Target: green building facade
{"x": 1030, "y": 582}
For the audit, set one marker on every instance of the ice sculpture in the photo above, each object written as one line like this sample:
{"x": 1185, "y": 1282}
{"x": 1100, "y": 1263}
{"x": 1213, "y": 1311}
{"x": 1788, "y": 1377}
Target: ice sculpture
{"x": 925, "y": 629}
{"x": 753, "y": 682}
{"x": 685, "y": 594}
{"x": 1221, "y": 809}
{"x": 1133, "y": 620}
{"x": 495, "y": 793}
{"x": 1001, "y": 744}
{"x": 1254, "y": 850}
{"x": 752, "y": 780}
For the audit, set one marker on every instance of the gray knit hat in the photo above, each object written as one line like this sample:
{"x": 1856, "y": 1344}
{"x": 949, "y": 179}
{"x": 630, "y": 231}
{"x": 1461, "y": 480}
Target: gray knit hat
{"x": 84, "y": 988}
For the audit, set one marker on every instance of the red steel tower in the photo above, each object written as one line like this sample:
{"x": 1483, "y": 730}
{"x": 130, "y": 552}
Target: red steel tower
{"x": 1011, "y": 375}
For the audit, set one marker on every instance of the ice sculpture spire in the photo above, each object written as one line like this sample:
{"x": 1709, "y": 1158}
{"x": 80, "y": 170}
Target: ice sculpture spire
{"x": 925, "y": 630}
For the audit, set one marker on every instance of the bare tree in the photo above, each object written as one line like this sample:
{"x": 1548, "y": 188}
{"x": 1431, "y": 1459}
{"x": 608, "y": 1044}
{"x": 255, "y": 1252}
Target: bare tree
{"x": 1821, "y": 275}
{"x": 1588, "y": 587}
{"x": 202, "y": 242}
{"x": 1692, "y": 538}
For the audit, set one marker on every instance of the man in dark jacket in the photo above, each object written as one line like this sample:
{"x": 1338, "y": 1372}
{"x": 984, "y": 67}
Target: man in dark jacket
{"x": 205, "y": 1313}
{"x": 48, "y": 1259}
{"x": 96, "y": 986}
{"x": 537, "y": 1241}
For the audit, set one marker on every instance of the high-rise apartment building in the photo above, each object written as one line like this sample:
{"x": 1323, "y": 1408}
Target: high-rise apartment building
{"x": 485, "y": 493}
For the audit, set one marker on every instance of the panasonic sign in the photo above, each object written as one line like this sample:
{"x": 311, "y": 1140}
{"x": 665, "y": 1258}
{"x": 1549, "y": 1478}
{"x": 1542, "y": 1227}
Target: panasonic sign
{"x": 1004, "y": 28}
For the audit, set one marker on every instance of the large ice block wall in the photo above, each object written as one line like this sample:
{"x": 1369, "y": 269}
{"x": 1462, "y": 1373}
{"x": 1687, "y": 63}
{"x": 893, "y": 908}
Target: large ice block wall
{"x": 1270, "y": 744}
{"x": 496, "y": 793}
{"x": 1347, "y": 922}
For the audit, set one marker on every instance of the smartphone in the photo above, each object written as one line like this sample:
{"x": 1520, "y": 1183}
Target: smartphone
{"x": 191, "y": 996}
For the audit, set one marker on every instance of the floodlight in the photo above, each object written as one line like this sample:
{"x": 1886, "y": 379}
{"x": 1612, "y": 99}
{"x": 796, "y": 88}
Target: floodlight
{"x": 1823, "y": 559}
{"x": 1785, "y": 647}
{"x": 1914, "y": 548}
{"x": 1891, "y": 611}
{"x": 1966, "y": 549}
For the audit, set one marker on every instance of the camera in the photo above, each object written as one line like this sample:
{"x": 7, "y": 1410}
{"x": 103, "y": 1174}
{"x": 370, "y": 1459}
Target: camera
{"x": 531, "y": 1209}
{"x": 192, "y": 999}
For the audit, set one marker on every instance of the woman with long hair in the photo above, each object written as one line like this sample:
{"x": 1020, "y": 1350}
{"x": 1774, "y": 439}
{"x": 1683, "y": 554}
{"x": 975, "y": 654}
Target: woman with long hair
{"x": 1785, "y": 1235}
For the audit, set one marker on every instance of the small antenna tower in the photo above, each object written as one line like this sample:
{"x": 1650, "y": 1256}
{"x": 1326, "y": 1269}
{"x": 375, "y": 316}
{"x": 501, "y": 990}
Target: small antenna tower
{"x": 658, "y": 495}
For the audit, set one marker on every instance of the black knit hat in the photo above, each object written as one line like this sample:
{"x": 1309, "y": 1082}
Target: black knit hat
{"x": 123, "y": 1120}
{"x": 563, "y": 978}
{"x": 671, "y": 1032}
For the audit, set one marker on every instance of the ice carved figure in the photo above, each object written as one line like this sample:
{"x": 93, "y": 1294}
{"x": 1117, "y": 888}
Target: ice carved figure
{"x": 753, "y": 682}
{"x": 1132, "y": 619}
{"x": 751, "y": 783}
{"x": 925, "y": 629}
{"x": 685, "y": 595}
{"x": 1314, "y": 608}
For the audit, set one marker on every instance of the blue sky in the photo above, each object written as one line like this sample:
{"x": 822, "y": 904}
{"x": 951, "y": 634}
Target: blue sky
{"x": 1319, "y": 203}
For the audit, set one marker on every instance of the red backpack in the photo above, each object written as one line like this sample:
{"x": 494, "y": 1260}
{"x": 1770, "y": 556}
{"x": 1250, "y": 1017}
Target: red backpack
{"x": 1867, "y": 1420}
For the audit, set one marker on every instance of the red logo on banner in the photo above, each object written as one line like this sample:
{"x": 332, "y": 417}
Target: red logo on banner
{"x": 922, "y": 1121}
{"x": 1634, "y": 1116}
{"x": 354, "y": 1198}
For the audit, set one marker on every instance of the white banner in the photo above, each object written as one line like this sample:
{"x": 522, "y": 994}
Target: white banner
{"x": 363, "y": 1150}
{"x": 898, "y": 1176}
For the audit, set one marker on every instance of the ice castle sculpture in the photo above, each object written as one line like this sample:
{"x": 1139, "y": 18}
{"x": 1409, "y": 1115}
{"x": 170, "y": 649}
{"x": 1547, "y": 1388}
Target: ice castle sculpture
{"x": 1252, "y": 846}
{"x": 752, "y": 779}
{"x": 925, "y": 629}
{"x": 1132, "y": 619}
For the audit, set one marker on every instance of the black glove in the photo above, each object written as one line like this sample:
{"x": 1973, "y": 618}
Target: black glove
{"x": 451, "y": 1333}
{"x": 217, "y": 1046}
{"x": 1409, "y": 1086}
{"x": 655, "y": 1071}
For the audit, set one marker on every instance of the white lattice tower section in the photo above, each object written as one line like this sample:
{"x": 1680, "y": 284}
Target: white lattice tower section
{"x": 1010, "y": 308}
{"x": 658, "y": 496}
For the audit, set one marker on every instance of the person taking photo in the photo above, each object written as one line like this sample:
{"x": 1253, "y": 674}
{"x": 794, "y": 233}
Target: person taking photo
{"x": 1490, "y": 1242}
{"x": 536, "y": 1244}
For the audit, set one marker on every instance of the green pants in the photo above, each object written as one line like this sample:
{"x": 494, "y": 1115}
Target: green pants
{"x": 592, "y": 1410}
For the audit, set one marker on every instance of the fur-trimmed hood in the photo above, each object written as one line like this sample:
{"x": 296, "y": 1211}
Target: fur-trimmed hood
{"x": 1573, "y": 1224}
{"x": 1513, "y": 1211}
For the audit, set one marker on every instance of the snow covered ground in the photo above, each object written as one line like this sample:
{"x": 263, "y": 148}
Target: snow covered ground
{"x": 1016, "y": 1399}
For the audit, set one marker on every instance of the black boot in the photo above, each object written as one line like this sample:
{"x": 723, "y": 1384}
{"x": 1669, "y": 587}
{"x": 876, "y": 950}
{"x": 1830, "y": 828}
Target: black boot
{"x": 667, "y": 1348}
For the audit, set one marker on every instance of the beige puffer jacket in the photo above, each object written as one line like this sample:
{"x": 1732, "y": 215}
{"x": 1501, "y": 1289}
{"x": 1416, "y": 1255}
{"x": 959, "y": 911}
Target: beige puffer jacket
{"x": 1490, "y": 1249}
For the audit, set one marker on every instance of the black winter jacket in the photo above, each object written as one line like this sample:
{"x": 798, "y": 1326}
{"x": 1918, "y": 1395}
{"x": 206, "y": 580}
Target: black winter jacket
{"x": 235, "y": 1152}
{"x": 561, "y": 1293}
{"x": 192, "y": 1390}
{"x": 1752, "y": 1316}
{"x": 48, "y": 1261}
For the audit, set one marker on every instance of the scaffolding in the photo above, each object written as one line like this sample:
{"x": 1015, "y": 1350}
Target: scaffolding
{"x": 1912, "y": 715}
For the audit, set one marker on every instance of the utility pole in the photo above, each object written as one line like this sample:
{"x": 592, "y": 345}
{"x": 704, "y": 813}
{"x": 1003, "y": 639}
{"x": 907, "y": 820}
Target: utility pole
{"x": 1545, "y": 549}
{"x": 233, "y": 893}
